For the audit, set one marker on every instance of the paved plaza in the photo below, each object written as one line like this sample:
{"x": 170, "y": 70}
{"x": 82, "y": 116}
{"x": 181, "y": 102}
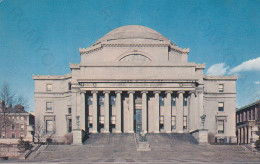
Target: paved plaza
{"x": 121, "y": 148}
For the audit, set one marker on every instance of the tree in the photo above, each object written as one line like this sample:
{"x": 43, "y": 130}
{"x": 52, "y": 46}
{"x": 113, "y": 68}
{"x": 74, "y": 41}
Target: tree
{"x": 39, "y": 131}
{"x": 9, "y": 97}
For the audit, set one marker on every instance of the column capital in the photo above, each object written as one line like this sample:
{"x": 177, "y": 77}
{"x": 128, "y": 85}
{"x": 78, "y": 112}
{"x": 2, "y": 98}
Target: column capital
{"x": 157, "y": 92}
{"x": 106, "y": 91}
{"x": 168, "y": 92}
{"x": 144, "y": 92}
{"x": 192, "y": 92}
{"x": 130, "y": 92}
{"x": 180, "y": 92}
{"x": 118, "y": 92}
{"x": 94, "y": 92}
{"x": 82, "y": 92}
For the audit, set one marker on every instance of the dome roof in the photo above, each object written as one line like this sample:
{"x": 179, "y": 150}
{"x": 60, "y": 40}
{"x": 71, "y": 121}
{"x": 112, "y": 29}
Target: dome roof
{"x": 133, "y": 32}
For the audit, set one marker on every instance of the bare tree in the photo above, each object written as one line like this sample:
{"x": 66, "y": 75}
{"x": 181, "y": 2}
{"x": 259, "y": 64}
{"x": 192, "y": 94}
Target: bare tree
{"x": 10, "y": 96}
{"x": 39, "y": 131}
{"x": 7, "y": 113}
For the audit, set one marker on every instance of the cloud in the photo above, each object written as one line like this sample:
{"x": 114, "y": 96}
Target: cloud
{"x": 250, "y": 65}
{"x": 217, "y": 69}
{"x": 257, "y": 82}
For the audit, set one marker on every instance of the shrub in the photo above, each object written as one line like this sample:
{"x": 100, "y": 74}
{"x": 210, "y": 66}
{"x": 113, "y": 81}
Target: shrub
{"x": 257, "y": 144}
{"x": 23, "y": 145}
{"x": 211, "y": 138}
{"x": 68, "y": 138}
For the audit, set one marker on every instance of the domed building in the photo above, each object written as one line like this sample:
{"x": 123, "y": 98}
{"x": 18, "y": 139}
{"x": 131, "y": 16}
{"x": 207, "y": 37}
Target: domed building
{"x": 134, "y": 79}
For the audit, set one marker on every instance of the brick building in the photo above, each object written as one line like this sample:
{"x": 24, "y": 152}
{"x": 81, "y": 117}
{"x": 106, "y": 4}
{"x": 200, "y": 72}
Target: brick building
{"x": 15, "y": 122}
{"x": 248, "y": 123}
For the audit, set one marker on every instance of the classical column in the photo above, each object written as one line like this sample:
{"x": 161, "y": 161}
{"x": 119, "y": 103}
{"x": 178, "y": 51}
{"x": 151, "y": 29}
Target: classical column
{"x": 246, "y": 135}
{"x": 82, "y": 111}
{"x": 94, "y": 112}
{"x": 131, "y": 112}
{"x": 106, "y": 111}
{"x": 144, "y": 111}
{"x": 168, "y": 112}
{"x": 200, "y": 107}
{"x": 192, "y": 111}
{"x": 242, "y": 135}
{"x": 118, "y": 111}
{"x": 238, "y": 135}
{"x": 156, "y": 112}
{"x": 179, "y": 115}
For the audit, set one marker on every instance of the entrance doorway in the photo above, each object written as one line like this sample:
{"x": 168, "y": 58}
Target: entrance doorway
{"x": 138, "y": 120}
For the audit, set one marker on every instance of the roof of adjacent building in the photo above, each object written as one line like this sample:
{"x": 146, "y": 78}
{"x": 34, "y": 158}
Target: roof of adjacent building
{"x": 249, "y": 105}
{"x": 10, "y": 109}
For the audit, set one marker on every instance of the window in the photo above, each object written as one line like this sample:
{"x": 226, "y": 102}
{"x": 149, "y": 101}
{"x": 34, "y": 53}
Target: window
{"x": 49, "y": 87}
{"x": 220, "y": 126}
{"x": 253, "y": 114}
{"x": 13, "y": 126}
{"x": 161, "y": 101}
{"x": 3, "y": 135}
{"x": 173, "y": 122}
{"x": 101, "y": 119}
{"x": 113, "y": 120}
{"x": 49, "y": 126}
{"x": 89, "y": 100}
{"x": 184, "y": 122}
{"x": 3, "y": 127}
{"x": 22, "y": 118}
{"x": 69, "y": 86}
{"x": 249, "y": 114}
{"x": 69, "y": 110}
{"x": 69, "y": 125}
{"x": 21, "y": 135}
{"x": 220, "y": 106}
{"x": 113, "y": 100}
{"x": 221, "y": 88}
{"x": 90, "y": 121}
{"x": 21, "y": 126}
{"x": 185, "y": 101}
{"x": 13, "y": 135}
{"x": 173, "y": 101}
{"x": 161, "y": 122}
{"x": 101, "y": 100}
{"x": 48, "y": 106}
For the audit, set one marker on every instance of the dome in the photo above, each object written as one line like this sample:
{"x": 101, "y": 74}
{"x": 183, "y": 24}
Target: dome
{"x": 133, "y": 32}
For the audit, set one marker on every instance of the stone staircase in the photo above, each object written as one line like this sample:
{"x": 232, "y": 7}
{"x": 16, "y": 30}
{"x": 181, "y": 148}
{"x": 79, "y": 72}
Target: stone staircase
{"x": 164, "y": 147}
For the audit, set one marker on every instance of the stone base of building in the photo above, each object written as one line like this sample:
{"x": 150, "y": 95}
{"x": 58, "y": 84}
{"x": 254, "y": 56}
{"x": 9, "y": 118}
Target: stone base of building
{"x": 77, "y": 137}
{"x": 201, "y": 135}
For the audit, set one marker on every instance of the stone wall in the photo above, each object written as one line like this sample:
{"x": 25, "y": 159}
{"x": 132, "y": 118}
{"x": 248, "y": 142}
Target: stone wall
{"x": 10, "y": 151}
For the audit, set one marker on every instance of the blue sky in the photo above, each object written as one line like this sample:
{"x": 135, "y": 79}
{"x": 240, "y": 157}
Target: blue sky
{"x": 43, "y": 36}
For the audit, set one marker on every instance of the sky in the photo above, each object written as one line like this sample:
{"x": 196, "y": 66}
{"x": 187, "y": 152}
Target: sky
{"x": 44, "y": 36}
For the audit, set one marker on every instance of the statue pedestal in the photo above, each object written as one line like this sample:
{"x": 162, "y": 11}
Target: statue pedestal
{"x": 77, "y": 137}
{"x": 201, "y": 135}
{"x": 143, "y": 146}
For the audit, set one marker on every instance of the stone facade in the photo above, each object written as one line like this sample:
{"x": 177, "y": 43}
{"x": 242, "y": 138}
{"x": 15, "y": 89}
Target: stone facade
{"x": 248, "y": 123}
{"x": 135, "y": 79}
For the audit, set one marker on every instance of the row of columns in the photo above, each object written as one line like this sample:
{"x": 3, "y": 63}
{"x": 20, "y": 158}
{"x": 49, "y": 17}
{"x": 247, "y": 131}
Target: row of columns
{"x": 244, "y": 135}
{"x": 156, "y": 112}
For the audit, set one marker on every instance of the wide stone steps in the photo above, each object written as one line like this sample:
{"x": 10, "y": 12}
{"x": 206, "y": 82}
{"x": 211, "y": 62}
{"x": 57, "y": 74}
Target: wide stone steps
{"x": 102, "y": 147}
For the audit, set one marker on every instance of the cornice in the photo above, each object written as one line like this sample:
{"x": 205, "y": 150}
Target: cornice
{"x": 97, "y": 47}
{"x": 52, "y": 77}
{"x": 207, "y": 77}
